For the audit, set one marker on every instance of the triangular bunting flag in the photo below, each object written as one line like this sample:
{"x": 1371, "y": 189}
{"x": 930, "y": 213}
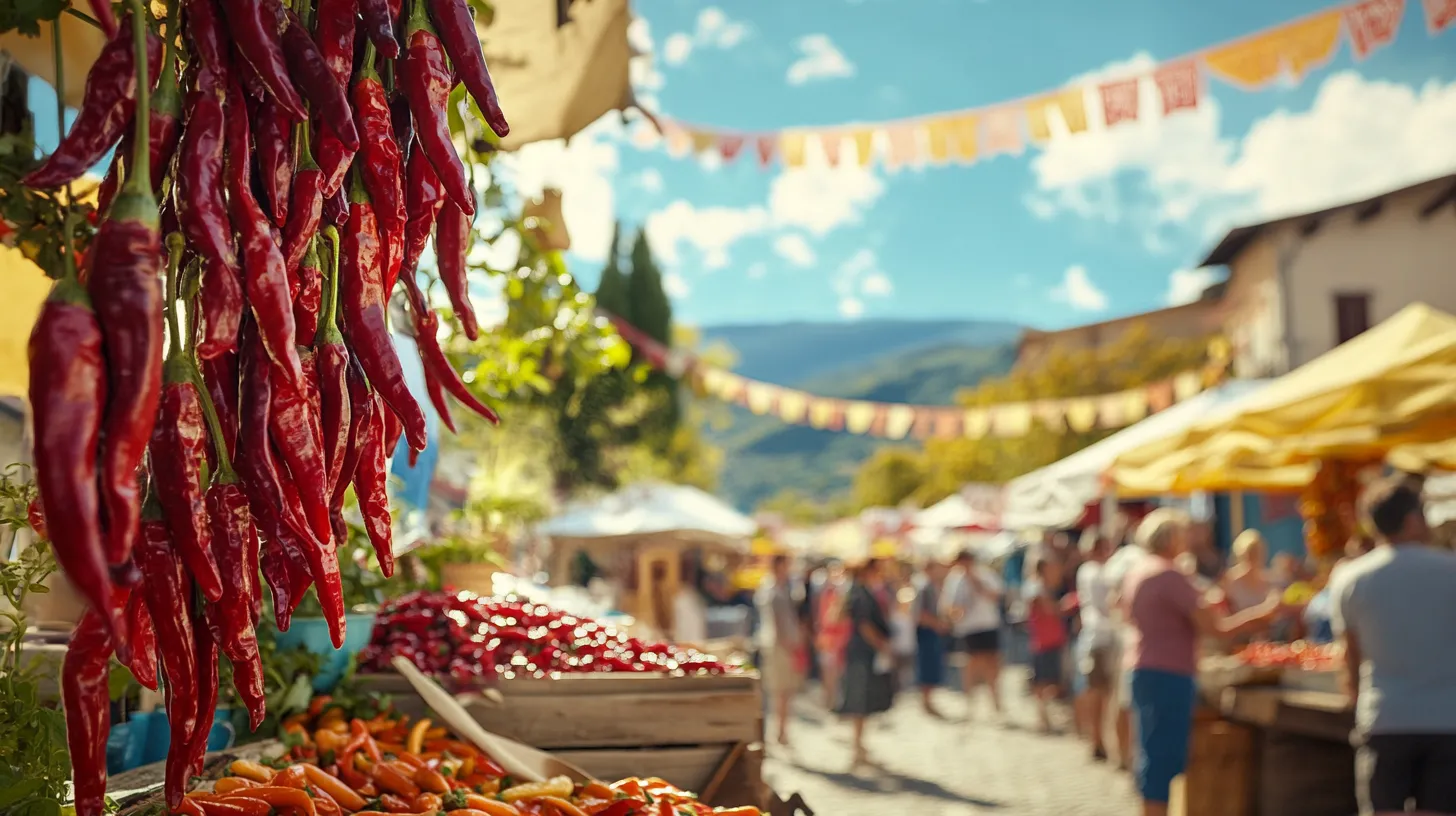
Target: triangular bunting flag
{"x": 768, "y": 147}
{"x": 898, "y": 419}
{"x": 949, "y": 424}
{"x": 1373, "y": 25}
{"x": 1073, "y": 105}
{"x": 679, "y": 141}
{"x": 976, "y": 423}
{"x": 704, "y": 141}
{"x": 1081, "y": 415}
{"x": 1312, "y": 43}
{"x": 830, "y": 141}
{"x": 937, "y": 141}
{"x": 730, "y": 146}
{"x": 864, "y": 147}
{"x": 1178, "y": 85}
{"x": 965, "y": 133}
{"x": 1002, "y": 132}
{"x": 791, "y": 148}
{"x": 1187, "y": 385}
{"x": 1440, "y": 14}
{"x": 1120, "y": 101}
{"x": 904, "y": 147}
{"x": 1038, "y": 123}
{"x": 859, "y": 416}
{"x": 792, "y": 406}
{"x": 761, "y": 397}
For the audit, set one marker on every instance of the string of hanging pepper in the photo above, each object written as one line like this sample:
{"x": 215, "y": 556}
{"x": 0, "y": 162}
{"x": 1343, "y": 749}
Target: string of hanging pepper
{"x": 890, "y": 420}
{"x": 217, "y": 369}
{"x": 1289, "y": 50}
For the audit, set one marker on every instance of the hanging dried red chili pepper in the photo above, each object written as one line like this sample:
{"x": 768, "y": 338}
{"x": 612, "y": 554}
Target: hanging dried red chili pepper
{"x": 456, "y": 27}
{"x": 207, "y": 689}
{"x": 371, "y": 479}
{"x": 253, "y": 27}
{"x": 332, "y": 363}
{"x": 266, "y": 276}
{"x": 426, "y": 80}
{"x": 424, "y": 196}
{"x": 363, "y": 308}
{"x": 86, "y": 696}
{"x": 306, "y": 208}
{"x": 143, "y": 636}
{"x": 107, "y": 105}
{"x": 333, "y": 30}
{"x": 381, "y": 166}
{"x": 379, "y": 26}
{"x": 325, "y": 93}
{"x": 452, "y": 242}
{"x": 275, "y": 157}
{"x": 309, "y": 303}
{"x": 169, "y": 598}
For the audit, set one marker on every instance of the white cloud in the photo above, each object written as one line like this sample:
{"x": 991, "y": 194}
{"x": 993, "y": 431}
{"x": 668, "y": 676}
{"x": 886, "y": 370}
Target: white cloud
{"x": 1078, "y": 291}
{"x": 757, "y": 270}
{"x": 641, "y": 72}
{"x": 675, "y": 286}
{"x": 711, "y": 230}
{"x": 851, "y": 308}
{"x": 792, "y": 247}
{"x": 1187, "y": 285}
{"x": 713, "y": 30}
{"x": 650, "y": 180}
{"x": 818, "y": 59}
{"x": 819, "y": 198}
{"x": 677, "y": 48}
{"x": 583, "y": 171}
{"x": 1192, "y": 182}
{"x": 877, "y": 285}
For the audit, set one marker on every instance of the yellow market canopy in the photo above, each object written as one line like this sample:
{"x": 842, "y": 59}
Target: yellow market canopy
{"x": 1392, "y": 387}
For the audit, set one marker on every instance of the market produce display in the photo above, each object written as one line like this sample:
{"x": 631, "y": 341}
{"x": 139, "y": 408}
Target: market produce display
{"x": 214, "y": 369}
{"x": 388, "y": 764}
{"x": 1296, "y": 655}
{"x": 464, "y": 635}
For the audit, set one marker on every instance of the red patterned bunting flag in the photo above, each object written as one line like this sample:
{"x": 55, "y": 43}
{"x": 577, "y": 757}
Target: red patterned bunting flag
{"x": 1120, "y": 101}
{"x": 1373, "y": 25}
{"x": 729, "y": 147}
{"x": 768, "y": 146}
{"x": 1178, "y": 84}
{"x": 1440, "y": 14}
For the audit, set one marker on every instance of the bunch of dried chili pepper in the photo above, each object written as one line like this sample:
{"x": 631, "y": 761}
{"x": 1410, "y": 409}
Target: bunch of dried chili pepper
{"x": 202, "y": 408}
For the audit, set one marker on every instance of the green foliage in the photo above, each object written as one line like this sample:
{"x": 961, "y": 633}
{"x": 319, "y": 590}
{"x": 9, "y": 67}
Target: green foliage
{"x": 889, "y": 478}
{"x": 38, "y": 216}
{"x": 801, "y": 509}
{"x": 34, "y": 763}
{"x": 612, "y": 288}
{"x": 25, "y": 16}
{"x": 650, "y": 310}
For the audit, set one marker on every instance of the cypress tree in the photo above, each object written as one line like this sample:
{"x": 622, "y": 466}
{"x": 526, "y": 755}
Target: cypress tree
{"x": 651, "y": 311}
{"x": 611, "y": 291}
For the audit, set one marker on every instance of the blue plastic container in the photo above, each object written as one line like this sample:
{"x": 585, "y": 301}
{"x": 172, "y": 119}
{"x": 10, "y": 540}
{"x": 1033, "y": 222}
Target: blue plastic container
{"x": 144, "y": 739}
{"x": 313, "y": 635}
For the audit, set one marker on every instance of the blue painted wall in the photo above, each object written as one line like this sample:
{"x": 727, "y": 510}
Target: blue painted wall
{"x": 1277, "y": 517}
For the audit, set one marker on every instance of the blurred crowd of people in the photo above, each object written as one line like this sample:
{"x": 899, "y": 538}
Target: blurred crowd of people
{"x": 1112, "y": 626}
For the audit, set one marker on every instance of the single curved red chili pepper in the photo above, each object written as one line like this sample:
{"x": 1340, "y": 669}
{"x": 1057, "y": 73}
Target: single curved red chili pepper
{"x": 304, "y": 212}
{"x": 371, "y": 479}
{"x": 266, "y": 275}
{"x": 424, "y": 196}
{"x": 456, "y": 27}
{"x": 309, "y": 302}
{"x": 143, "y": 637}
{"x": 233, "y": 537}
{"x": 168, "y": 597}
{"x": 275, "y": 157}
{"x": 404, "y": 124}
{"x": 67, "y": 397}
{"x": 309, "y": 68}
{"x": 35, "y": 517}
{"x": 220, "y": 311}
{"x": 425, "y": 79}
{"x": 254, "y": 460}
{"x": 202, "y": 213}
{"x": 333, "y": 30}
{"x": 334, "y": 161}
{"x": 125, "y": 286}
{"x": 253, "y": 28}
{"x": 393, "y": 430}
{"x": 287, "y": 581}
{"x": 166, "y": 119}
{"x": 85, "y": 695}
{"x": 178, "y": 449}
{"x": 206, "y": 31}
{"x": 382, "y": 164}
{"x": 452, "y": 241}
{"x": 332, "y": 365}
{"x": 436, "y": 393}
{"x": 437, "y": 365}
{"x": 207, "y": 689}
{"x": 320, "y": 564}
{"x": 379, "y": 26}
{"x": 101, "y": 10}
{"x": 364, "y": 315}
{"x": 107, "y": 105}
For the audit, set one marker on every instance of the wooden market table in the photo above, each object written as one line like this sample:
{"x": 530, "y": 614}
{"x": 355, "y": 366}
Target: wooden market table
{"x": 702, "y": 733}
{"x": 1272, "y": 751}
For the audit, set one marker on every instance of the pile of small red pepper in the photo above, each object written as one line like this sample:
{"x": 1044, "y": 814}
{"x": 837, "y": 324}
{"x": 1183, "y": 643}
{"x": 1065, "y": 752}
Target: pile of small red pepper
{"x": 465, "y": 635}
{"x": 202, "y": 400}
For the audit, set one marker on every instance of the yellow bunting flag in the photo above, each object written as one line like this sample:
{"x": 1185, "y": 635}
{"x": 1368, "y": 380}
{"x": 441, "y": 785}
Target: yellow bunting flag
{"x": 898, "y": 420}
{"x": 1038, "y": 123}
{"x": 791, "y": 147}
{"x": 859, "y": 416}
{"x": 1298, "y": 47}
{"x": 937, "y": 141}
{"x": 1312, "y": 43}
{"x": 703, "y": 141}
{"x": 1012, "y": 419}
{"x": 761, "y": 398}
{"x": 1073, "y": 104}
{"x": 792, "y": 406}
{"x": 965, "y": 131}
{"x": 1081, "y": 415}
{"x": 864, "y": 147}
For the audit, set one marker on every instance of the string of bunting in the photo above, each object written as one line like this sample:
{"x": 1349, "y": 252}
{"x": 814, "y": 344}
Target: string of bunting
{"x": 901, "y": 421}
{"x": 1289, "y": 50}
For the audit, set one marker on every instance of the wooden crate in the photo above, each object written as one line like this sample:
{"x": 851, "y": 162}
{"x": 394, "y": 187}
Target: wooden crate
{"x": 1220, "y": 777}
{"x": 678, "y": 728}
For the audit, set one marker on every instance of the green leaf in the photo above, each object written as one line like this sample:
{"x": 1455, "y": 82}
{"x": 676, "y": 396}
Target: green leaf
{"x": 39, "y": 589}
{"x": 19, "y": 790}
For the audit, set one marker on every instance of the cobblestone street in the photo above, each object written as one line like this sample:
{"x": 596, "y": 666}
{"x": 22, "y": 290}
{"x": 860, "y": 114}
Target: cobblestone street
{"x": 946, "y": 767}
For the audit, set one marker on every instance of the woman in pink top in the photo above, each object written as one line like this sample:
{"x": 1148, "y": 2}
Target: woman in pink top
{"x": 1048, "y": 634}
{"x": 1166, "y": 616}
{"x": 833, "y": 636}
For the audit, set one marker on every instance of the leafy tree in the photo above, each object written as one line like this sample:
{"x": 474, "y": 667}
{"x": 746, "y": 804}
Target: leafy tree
{"x": 797, "y": 507}
{"x": 889, "y": 478}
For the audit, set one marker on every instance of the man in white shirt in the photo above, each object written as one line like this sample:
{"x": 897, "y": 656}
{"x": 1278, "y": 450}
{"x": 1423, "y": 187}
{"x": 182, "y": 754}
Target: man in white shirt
{"x": 972, "y": 604}
{"x": 1393, "y": 610}
{"x": 1095, "y": 645}
{"x": 780, "y": 641}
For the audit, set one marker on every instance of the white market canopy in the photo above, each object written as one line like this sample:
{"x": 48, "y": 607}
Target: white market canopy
{"x": 650, "y": 509}
{"x": 1058, "y": 494}
{"x": 975, "y": 507}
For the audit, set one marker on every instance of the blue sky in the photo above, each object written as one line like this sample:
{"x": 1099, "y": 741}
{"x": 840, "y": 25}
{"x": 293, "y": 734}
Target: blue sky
{"x": 1096, "y": 225}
